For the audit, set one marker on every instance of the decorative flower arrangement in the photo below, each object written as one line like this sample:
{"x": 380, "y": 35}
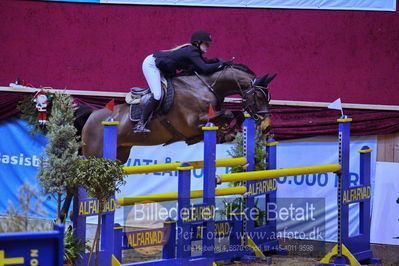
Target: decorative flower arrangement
{"x": 36, "y": 110}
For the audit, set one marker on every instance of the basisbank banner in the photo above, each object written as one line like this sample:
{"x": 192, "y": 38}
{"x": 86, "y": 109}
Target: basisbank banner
{"x": 315, "y": 195}
{"x": 19, "y": 161}
{"x": 374, "y": 5}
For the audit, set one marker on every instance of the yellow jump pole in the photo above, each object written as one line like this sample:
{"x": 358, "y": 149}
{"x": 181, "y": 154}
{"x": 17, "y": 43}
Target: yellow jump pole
{"x": 174, "y": 195}
{"x": 156, "y": 168}
{"x": 257, "y": 175}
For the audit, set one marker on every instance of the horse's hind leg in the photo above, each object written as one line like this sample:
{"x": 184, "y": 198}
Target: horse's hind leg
{"x": 122, "y": 154}
{"x": 92, "y": 138}
{"x": 93, "y": 149}
{"x": 67, "y": 204}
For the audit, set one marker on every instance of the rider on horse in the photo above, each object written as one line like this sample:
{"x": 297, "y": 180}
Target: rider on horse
{"x": 184, "y": 57}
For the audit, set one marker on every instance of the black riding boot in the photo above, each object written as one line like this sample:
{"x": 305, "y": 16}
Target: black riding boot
{"x": 148, "y": 109}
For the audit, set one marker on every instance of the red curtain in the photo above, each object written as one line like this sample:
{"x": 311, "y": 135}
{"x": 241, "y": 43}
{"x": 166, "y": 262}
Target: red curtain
{"x": 301, "y": 122}
{"x": 288, "y": 122}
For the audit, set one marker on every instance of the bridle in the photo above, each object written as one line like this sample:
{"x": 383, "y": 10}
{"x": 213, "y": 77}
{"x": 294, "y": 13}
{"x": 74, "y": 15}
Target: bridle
{"x": 245, "y": 94}
{"x": 252, "y": 109}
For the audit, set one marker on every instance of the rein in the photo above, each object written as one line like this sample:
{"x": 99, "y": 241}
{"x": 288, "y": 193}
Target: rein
{"x": 210, "y": 87}
{"x": 253, "y": 90}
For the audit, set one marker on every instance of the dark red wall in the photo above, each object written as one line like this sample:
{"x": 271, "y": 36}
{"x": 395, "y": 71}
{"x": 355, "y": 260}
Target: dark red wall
{"x": 319, "y": 55}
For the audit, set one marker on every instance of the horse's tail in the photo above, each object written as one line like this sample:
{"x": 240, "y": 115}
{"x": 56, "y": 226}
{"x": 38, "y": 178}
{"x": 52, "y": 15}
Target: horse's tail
{"x": 81, "y": 114}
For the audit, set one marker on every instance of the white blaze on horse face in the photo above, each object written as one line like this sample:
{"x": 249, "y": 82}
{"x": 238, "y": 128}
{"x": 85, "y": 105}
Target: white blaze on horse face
{"x": 204, "y": 47}
{"x": 265, "y": 124}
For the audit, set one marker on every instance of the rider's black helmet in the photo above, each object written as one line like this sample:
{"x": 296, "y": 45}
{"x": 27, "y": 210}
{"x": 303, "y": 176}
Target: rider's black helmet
{"x": 201, "y": 36}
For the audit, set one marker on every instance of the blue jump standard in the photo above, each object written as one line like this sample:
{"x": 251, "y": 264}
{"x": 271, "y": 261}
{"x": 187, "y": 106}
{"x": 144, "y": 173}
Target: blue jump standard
{"x": 177, "y": 249}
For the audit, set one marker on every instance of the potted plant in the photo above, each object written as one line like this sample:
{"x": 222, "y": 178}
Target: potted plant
{"x": 101, "y": 178}
{"x": 73, "y": 248}
{"x": 238, "y": 151}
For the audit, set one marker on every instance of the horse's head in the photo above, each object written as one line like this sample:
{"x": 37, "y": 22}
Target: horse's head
{"x": 256, "y": 100}
{"x": 238, "y": 78}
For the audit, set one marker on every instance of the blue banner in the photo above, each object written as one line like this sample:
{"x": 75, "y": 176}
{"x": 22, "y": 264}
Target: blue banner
{"x": 19, "y": 160}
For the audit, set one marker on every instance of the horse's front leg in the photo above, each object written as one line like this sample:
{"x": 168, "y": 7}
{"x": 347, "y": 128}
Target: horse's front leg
{"x": 220, "y": 118}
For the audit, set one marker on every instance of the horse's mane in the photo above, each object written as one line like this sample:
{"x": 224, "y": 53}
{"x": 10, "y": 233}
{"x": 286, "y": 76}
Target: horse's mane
{"x": 244, "y": 68}
{"x": 237, "y": 66}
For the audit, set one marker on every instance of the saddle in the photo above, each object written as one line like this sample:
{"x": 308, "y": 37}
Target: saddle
{"x": 137, "y": 97}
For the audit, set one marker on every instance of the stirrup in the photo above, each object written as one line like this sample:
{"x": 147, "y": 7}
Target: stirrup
{"x": 140, "y": 128}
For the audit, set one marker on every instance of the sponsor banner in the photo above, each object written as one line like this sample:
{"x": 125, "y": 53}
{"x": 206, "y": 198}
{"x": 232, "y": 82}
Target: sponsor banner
{"x": 33, "y": 248}
{"x": 19, "y": 161}
{"x": 385, "y": 211}
{"x": 299, "y": 218}
{"x": 317, "y": 151}
{"x": 90, "y": 207}
{"x": 375, "y": 5}
{"x": 145, "y": 238}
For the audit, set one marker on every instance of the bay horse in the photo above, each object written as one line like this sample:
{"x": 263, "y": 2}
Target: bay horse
{"x": 193, "y": 95}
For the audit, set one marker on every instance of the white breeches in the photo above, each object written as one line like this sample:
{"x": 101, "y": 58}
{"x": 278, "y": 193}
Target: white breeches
{"x": 153, "y": 76}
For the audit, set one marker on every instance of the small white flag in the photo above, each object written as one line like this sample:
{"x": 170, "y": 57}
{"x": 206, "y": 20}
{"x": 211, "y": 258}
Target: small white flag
{"x": 337, "y": 105}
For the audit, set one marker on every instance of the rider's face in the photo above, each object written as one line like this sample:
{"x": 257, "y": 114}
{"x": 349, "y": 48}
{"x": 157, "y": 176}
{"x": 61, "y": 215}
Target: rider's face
{"x": 204, "y": 47}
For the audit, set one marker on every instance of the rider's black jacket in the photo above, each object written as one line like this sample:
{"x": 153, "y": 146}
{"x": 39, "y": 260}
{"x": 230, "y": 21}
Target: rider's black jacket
{"x": 188, "y": 58}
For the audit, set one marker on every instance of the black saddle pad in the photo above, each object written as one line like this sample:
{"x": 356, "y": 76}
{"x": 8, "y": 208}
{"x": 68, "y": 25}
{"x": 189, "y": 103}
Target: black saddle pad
{"x": 166, "y": 103}
{"x": 135, "y": 112}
